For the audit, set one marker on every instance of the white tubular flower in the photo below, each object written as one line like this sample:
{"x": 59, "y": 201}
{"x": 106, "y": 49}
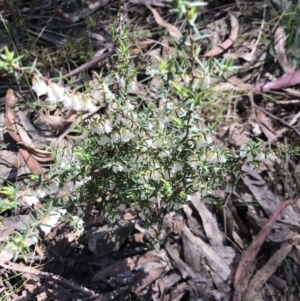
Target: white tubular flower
{"x": 203, "y": 140}
{"x": 41, "y": 193}
{"x": 50, "y": 221}
{"x": 103, "y": 139}
{"x": 28, "y": 199}
{"x": 39, "y": 86}
{"x": 76, "y": 102}
{"x": 192, "y": 162}
{"x": 212, "y": 157}
{"x": 155, "y": 175}
{"x": 87, "y": 104}
{"x": 54, "y": 186}
{"x": 118, "y": 168}
{"x": 222, "y": 159}
{"x": 176, "y": 167}
{"x": 272, "y": 157}
{"x": 157, "y": 144}
{"x": 104, "y": 126}
{"x": 208, "y": 139}
{"x": 126, "y": 135}
{"x": 249, "y": 158}
{"x": 243, "y": 152}
{"x": 115, "y": 137}
{"x": 55, "y": 93}
{"x": 120, "y": 81}
{"x": 131, "y": 86}
{"x": 107, "y": 93}
{"x": 67, "y": 100}
{"x": 260, "y": 157}
{"x": 129, "y": 106}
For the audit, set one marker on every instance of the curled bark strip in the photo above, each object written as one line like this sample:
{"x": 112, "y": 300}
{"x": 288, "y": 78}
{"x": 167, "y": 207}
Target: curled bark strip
{"x": 10, "y": 105}
{"x": 249, "y": 256}
{"x": 227, "y": 43}
{"x": 282, "y": 82}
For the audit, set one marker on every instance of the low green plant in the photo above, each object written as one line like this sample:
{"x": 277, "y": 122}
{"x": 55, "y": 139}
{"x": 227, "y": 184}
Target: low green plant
{"x": 146, "y": 156}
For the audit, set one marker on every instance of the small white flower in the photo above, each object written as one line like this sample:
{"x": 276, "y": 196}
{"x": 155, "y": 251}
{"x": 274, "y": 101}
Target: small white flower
{"x": 28, "y": 199}
{"x": 87, "y": 104}
{"x": 131, "y": 86}
{"x": 51, "y": 220}
{"x": 150, "y": 71}
{"x": 169, "y": 105}
{"x": 272, "y": 157}
{"x": 55, "y": 93}
{"x": 250, "y": 157}
{"x": 107, "y": 93}
{"x": 104, "y": 127}
{"x": 103, "y": 139}
{"x": 76, "y": 102}
{"x": 41, "y": 193}
{"x": 260, "y": 157}
{"x": 115, "y": 137}
{"x": 67, "y": 101}
{"x": 78, "y": 184}
{"x": 222, "y": 159}
{"x": 120, "y": 81}
{"x": 54, "y": 186}
{"x": 126, "y": 135}
{"x": 118, "y": 168}
{"x": 129, "y": 106}
{"x": 176, "y": 167}
{"x": 39, "y": 86}
{"x": 208, "y": 139}
{"x": 192, "y": 162}
{"x": 203, "y": 140}
{"x": 155, "y": 175}
{"x": 243, "y": 153}
{"x": 212, "y": 157}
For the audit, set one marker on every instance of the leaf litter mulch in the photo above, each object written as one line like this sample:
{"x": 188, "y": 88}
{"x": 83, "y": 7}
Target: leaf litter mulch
{"x": 249, "y": 249}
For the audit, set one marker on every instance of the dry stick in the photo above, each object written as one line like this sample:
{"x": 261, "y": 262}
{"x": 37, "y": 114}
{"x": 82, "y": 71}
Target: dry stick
{"x": 93, "y": 61}
{"x": 284, "y": 130}
{"x": 273, "y": 116}
{"x": 53, "y": 277}
{"x": 250, "y": 254}
{"x": 279, "y": 119}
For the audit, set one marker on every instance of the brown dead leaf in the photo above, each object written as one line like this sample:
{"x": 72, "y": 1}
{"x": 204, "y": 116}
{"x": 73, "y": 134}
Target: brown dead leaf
{"x": 265, "y": 124}
{"x": 201, "y": 248}
{"x": 10, "y": 105}
{"x": 208, "y": 220}
{"x": 237, "y": 134}
{"x": 279, "y": 45}
{"x": 174, "y": 32}
{"x": 266, "y": 198}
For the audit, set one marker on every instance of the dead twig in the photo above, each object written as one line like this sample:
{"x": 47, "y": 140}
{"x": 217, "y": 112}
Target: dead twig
{"x": 52, "y": 277}
{"x": 98, "y": 57}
